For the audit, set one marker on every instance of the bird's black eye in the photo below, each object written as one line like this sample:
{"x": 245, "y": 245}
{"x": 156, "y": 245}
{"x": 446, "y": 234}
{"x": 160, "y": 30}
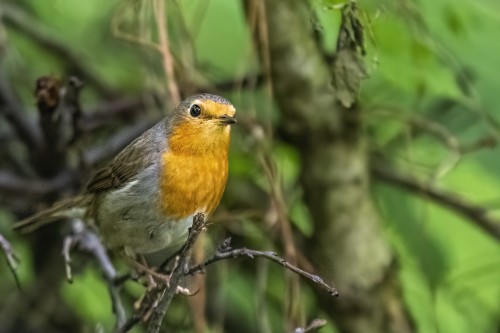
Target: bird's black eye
{"x": 195, "y": 110}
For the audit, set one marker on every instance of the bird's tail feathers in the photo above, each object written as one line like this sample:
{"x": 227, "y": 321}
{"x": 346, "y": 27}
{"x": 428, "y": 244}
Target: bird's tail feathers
{"x": 69, "y": 208}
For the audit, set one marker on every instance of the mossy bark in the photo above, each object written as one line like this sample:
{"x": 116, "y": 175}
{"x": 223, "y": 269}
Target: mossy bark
{"x": 348, "y": 244}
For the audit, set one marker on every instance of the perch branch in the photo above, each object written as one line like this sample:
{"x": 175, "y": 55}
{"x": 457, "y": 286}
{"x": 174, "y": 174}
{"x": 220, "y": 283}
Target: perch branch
{"x": 225, "y": 252}
{"x": 155, "y": 302}
{"x": 474, "y": 213}
{"x": 178, "y": 272}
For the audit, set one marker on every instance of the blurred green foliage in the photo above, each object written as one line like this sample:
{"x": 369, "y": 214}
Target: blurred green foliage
{"x": 432, "y": 58}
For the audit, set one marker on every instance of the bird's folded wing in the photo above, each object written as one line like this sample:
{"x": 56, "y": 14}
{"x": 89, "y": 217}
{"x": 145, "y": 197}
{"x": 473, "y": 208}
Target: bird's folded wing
{"x": 137, "y": 156}
{"x": 115, "y": 175}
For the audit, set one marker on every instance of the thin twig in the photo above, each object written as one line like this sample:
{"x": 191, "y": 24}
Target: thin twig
{"x": 117, "y": 32}
{"x": 225, "y": 252}
{"x": 474, "y": 213}
{"x": 435, "y": 129}
{"x": 168, "y": 63}
{"x": 10, "y": 257}
{"x": 263, "y": 36}
{"x": 314, "y": 326}
{"x": 69, "y": 242}
{"x": 489, "y": 141}
{"x": 250, "y": 81}
{"x": 129, "y": 324}
{"x": 163, "y": 47}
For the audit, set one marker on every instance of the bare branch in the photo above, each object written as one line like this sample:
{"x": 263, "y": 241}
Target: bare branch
{"x": 314, "y": 326}
{"x": 156, "y": 301}
{"x": 129, "y": 324}
{"x": 486, "y": 142}
{"x": 109, "y": 111}
{"x": 474, "y": 213}
{"x": 13, "y": 111}
{"x": 10, "y": 257}
{"x": 88, "y": 242}
{"x": 16, "y": 186}
{"x": 225, "y": 252}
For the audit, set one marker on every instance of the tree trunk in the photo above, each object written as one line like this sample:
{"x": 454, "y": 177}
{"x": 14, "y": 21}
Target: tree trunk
{"x": 348, "y": 245}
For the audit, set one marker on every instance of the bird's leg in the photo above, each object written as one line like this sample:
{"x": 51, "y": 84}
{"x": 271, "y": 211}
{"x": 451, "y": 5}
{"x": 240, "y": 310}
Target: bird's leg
{"x": 142, "y": 267}
{"x": 152, "y": 274}
{"x": 149, "y": 273}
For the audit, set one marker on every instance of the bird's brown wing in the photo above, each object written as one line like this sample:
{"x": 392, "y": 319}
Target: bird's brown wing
{"x": 141, "y": 153}
{"x": 116, "y": 174}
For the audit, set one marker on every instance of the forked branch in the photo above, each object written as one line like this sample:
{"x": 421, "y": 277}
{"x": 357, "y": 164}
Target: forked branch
{"x": 226, "y": 252}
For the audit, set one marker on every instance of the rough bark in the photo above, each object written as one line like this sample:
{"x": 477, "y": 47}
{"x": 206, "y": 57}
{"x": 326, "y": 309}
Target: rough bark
{"x": 348, "y": 243}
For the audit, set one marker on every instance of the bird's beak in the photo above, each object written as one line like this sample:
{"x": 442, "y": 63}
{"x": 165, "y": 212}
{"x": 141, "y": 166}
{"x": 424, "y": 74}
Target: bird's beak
{"x": 227, "y": 120}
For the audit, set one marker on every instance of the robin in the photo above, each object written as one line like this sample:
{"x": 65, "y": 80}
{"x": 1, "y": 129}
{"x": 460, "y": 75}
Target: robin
{"x": 144, "y": 200}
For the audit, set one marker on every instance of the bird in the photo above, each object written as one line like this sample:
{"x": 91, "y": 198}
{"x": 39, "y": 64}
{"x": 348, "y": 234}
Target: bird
{"x": 144, "y": 200}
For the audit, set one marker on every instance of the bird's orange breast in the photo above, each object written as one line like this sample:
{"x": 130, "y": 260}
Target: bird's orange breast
{"x": 194, "y": 168}
{"x": 191, "y": 183}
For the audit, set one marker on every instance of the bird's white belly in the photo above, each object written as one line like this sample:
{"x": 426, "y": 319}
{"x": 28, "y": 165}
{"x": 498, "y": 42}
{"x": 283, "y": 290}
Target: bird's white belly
{"x": 128, "y": 218}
